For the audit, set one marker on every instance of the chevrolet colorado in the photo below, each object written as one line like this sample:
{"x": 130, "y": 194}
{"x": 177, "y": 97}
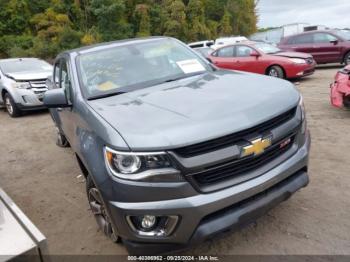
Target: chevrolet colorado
{"x": 175, "y": 150}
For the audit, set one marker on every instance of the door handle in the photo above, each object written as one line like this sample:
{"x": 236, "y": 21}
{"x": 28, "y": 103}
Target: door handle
{"x": 59, "y": 109}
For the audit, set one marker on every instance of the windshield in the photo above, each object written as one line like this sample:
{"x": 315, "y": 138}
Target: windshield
{"x": 24, "y": 65}
{"x": 138, "y": 65}
{"x": 267, "y": 48}
{"x": 343, "y": 34}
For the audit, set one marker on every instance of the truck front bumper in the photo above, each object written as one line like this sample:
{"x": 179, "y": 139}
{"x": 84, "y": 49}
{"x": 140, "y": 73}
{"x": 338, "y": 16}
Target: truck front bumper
{"x": 27, "y": 99}
{"x": 204, "y": 215}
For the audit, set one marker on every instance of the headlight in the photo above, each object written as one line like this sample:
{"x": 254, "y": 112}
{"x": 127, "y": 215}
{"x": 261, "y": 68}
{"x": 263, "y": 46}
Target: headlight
{"x": 20, "y": 85}
{"x": 155, "y": 167}
{"x": 303, "y": 117}
{"x": 297, "y": 60}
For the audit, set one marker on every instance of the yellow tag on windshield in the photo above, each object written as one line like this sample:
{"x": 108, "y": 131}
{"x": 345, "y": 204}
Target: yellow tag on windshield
{"x": 107, "y": 86}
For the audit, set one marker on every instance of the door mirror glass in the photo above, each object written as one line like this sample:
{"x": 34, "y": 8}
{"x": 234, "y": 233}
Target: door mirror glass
{"x": 55, "y": 98}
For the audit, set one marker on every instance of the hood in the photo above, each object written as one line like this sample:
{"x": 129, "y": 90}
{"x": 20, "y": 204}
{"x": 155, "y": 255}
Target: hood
{"x": 196, "y": 109}
{"x": 27, "y": 76}
{"x": 294, "y": 55}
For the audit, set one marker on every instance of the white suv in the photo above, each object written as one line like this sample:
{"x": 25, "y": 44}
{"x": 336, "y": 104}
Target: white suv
{"x": 23, "y": 84}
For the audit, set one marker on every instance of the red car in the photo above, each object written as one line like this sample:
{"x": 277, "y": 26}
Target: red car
{"x": 340, "y": 89}
{"x": 331, "y": 46}
{"x": 262, "y": 58}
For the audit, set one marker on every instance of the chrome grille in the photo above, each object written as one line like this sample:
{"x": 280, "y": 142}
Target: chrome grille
{"x": 38, "y": 84}
{"x": 224, "y": 171}
{"x": 232, "y": 139}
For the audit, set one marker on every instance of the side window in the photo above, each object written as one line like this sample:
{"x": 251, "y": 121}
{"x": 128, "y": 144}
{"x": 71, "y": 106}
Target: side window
{"x": 225, "y": 52}
{"x": 303, "y": 39}
{"x": 243, "y": 51}
{"x": 56, "y": 73}
{"x": 324, "y": 38}
{"x": 64, "y": 80}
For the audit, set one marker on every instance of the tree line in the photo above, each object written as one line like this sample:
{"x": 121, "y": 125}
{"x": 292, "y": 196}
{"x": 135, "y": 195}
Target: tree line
{"x": 43, "y": 28}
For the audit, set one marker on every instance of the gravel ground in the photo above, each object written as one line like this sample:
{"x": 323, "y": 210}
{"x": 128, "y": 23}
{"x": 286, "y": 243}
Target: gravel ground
{"x": 42, "y": 179}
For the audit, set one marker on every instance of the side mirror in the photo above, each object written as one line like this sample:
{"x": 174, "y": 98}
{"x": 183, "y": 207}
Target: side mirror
{"x": 55, "y": 98}
{"x": 334, "y": 42}
{"x": 254, "y": 54}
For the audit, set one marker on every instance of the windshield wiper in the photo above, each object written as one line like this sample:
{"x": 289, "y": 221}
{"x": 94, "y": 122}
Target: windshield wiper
{"x": 105, "y": 95}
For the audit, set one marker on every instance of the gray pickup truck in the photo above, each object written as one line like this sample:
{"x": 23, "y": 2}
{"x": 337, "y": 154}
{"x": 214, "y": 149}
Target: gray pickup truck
{"x": 175, "y": 150}
{"x": 18, "y": 235}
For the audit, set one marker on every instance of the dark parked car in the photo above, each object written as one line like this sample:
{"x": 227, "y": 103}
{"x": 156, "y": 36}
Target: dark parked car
{"x": 325, "y": 46}
{"x": 175, "y": 150}
{"x": 262, "y": 58}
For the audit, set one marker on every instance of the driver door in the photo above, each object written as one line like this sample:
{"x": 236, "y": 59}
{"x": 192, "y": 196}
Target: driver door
{"x": 246, "y": 62}
{"x": 63, "y": 116}
{"x": 224, "y": 58}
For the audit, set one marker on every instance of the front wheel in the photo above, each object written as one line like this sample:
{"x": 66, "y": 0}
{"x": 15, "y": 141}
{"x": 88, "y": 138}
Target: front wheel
{"x": 99, "y": 211}
{"x": 347, "y": 59}
{"x": 10, "y": 106}
{"x": 275, "y": 71}
{"x": 61, "y": 140}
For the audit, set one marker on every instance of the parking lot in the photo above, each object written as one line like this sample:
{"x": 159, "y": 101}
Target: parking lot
{"x": 42, "y": 179}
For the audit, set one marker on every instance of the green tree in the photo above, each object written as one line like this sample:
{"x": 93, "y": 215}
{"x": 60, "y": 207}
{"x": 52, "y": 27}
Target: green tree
{"x": 45, "y": 27}
{"x": 17, "y": 17}
{"x": 175, "y": 19}
{"x": 243, "y": 16}
{"x": 143, "y": 20}
{"x": 197, "y": 29}
{"x": 225, "y": 24}
{"x": 110, "y": 19}
{"x": 54, "y": 33}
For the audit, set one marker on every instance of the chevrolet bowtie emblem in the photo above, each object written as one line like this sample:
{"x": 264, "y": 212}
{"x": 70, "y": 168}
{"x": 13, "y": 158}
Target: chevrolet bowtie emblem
{"x": 256, "y": 147}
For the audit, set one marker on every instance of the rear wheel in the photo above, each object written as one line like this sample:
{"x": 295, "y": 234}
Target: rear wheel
{"x": 346, "y": 102}
{"x": 10, "y": 106}
{"x": 347, "y": 59}
{"x": 99, "y": 211}
{"x": 275, "y": 71}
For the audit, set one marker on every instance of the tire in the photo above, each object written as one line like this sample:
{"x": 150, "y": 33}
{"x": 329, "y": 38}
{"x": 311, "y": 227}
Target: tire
{"x": 61, "y": 140}
{"x": 276, "y": 71}
{"x": 10, "y": 106}
{"x": 346, "y": 102}
{"x": 99, "y": 211}
{"x": 347, "y": 59}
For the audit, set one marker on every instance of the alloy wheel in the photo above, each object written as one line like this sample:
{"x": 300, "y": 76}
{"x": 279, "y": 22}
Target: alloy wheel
{"x": 273, "y": 72}
{"x": 347, "y": 60}
{"x": 100, "y": 213}
{"x": 8, "y": 105}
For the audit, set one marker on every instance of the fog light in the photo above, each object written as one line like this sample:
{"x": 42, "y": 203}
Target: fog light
{"x": 152, "y": 226}
{"x": 148, "y": 222}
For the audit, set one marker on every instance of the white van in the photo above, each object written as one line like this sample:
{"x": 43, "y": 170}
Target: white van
{"x": 223, "y": 41}
{"x": 206, "y": 43}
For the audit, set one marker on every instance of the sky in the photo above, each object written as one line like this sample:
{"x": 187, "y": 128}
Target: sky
{"x": 331, "y": 13}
